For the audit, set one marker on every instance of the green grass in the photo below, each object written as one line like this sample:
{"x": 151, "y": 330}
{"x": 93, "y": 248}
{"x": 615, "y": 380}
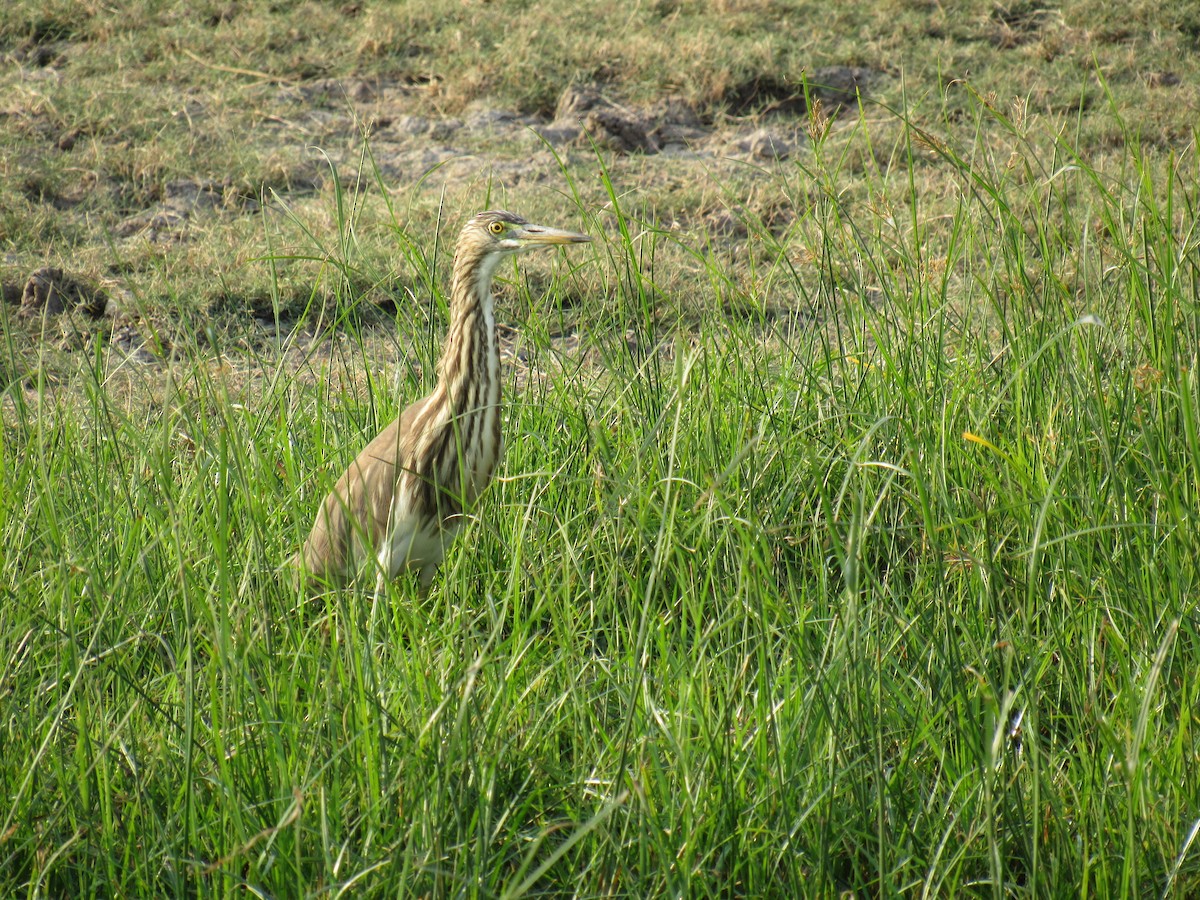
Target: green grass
{"x": 892, "y": 595}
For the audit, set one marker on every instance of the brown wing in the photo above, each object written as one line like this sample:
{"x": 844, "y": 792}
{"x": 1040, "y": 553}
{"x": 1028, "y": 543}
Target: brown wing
{"x": 354, "y": 517}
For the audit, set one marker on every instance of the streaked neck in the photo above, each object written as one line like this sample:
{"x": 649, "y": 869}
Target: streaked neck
{"x": 470, "y": 365}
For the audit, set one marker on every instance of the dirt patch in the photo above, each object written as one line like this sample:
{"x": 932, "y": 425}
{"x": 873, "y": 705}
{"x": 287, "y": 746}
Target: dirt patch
{"x": 50, "y": 291}
{"x": 182, "y": 199}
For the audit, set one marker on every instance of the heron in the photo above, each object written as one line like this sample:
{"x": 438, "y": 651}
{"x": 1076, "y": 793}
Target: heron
{"x": 401, "y": 502}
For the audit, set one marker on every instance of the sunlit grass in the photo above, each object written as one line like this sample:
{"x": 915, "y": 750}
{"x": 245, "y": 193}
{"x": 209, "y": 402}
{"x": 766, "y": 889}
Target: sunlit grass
{"x": 879, "y": 580}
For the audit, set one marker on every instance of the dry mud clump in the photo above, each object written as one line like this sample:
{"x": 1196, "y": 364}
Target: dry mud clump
{"x": 51, "y": 291}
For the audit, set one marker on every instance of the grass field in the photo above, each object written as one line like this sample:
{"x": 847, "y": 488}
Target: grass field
{"x": 853, "y": 554}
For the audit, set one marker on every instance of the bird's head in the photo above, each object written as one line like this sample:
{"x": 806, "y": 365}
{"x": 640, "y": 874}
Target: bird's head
{"x": 497, "y": 231}
{"x": 490, "y": 237}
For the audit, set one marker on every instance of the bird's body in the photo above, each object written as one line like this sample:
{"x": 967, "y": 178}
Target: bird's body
{"x": 400, "y": 503}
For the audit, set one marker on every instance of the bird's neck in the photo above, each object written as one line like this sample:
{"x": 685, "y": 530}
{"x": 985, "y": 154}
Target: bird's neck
{"x": 469, "y": 371}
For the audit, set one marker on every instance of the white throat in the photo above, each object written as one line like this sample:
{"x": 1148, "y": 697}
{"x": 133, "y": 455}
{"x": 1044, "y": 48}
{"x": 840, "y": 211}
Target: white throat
{"x": 487, "y": 268}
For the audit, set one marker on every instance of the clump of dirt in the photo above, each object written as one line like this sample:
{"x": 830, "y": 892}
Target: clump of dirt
{"x": 50, "y": 291}
{"x": 585, "y": 110}
{"x": 620, "y": 133}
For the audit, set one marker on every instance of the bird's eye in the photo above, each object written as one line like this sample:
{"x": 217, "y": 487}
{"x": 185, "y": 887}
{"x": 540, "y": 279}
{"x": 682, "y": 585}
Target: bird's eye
{"x": 496, "y": 228}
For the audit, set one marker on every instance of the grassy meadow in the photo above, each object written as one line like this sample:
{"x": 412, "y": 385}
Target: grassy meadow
{"x": 853, "y": 552}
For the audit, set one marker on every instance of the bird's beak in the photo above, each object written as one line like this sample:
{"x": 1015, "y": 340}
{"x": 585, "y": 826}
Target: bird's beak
{"x": 535, "y": 235}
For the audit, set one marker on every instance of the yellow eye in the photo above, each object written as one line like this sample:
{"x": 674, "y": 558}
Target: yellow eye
{"x": 496, "y": 228}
